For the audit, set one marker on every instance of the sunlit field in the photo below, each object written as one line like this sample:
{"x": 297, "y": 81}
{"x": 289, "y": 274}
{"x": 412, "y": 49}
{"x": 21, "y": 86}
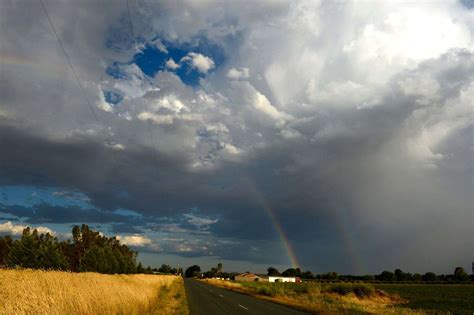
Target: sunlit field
{"x": 57, "y": 292}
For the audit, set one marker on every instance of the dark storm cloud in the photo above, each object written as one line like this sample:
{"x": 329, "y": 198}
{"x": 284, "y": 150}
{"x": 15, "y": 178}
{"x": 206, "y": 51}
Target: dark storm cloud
{"x": 46, "y": 213}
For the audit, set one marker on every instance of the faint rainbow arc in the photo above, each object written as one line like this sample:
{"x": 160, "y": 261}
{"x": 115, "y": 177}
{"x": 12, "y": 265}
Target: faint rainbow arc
{"x": 278, "y": 228}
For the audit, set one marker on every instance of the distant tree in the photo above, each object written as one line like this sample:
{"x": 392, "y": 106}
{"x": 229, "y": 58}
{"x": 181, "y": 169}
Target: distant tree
{"x": 416, "y": 277}
{"x": 398, "y": 274}
{"x": 148, "y": 270}
{"x": 402, "y": 276}
{"x": 387, "y": 276}
{"x": 166, "y": 269}
{"x": 460, "y": 274}
{"x": 225, "y": 275}
{"x": 429, "y": 276}
{"x": 193, "y": 271}
{"x": 291, "y": 272}
{"x": 272, "y": 272}
{"x": 328, "y": 276}
{"x": 367, "y": 278}
{"x": 140, "y": 268}
{"x": 307, "y": 275}
{"x": 6, "y": 243}
{"x": 219, "y": 267}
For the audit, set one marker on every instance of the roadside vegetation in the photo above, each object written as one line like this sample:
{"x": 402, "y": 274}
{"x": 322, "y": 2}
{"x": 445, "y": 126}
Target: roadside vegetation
{"x": 318, "y": 297}
{"x": 57, "y": 292}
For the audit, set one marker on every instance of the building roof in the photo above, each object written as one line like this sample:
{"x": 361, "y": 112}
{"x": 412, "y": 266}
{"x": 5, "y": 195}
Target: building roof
{"x": 247, "y": 275}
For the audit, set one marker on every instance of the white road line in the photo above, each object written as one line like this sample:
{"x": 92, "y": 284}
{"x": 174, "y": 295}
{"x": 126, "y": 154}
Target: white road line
{"x": 243, "y": 307}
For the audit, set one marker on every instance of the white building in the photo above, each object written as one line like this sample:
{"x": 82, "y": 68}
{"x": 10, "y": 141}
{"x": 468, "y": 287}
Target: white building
{"x": 281, "y": 279}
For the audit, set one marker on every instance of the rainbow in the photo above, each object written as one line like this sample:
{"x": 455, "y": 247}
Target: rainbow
{"x": 278, "y": 228}
{"x": 283, "y": 237}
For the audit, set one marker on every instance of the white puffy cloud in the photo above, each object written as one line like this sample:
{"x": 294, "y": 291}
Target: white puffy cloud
{"x": 135, "y": 240}
{"x": 171, "y": 64}
{"x": 17, "y": 229}
{"x": 238, "y": 73}
{"x": 170, "y": 102}
{"x": 202, "y": 63}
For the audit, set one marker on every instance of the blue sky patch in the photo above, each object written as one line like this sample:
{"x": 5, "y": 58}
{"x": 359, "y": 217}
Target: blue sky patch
{"x": 29, "y": 196}
{"x": 151, "y": 59}
{"x": 112, "y": 97}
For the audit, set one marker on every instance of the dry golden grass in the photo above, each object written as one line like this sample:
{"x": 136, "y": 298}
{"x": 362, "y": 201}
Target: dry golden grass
{"x": 317, "y": 301}
{"x": 56, "y": 292}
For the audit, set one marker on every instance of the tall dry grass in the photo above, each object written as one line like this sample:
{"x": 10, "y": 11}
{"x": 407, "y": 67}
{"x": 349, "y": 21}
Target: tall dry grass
{"x": 56, "y": 292}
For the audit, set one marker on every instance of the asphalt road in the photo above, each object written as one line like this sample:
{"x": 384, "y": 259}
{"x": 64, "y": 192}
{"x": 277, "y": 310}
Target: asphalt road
{"x": 206, "y": 299}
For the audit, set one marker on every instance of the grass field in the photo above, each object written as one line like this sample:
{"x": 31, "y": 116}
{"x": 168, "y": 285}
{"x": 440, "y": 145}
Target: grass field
{"x": 453, "y": 298}
{"x": 320, "y": 298}
{"x": 56, "y": 292}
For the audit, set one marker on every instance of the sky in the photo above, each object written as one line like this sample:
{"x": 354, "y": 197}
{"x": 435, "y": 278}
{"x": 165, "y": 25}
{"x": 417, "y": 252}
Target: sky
{"x": 330, "y": 136}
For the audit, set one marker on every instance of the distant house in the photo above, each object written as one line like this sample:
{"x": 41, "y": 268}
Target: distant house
{"x": 281, "y": 279}
{"x": 247, "y": 277}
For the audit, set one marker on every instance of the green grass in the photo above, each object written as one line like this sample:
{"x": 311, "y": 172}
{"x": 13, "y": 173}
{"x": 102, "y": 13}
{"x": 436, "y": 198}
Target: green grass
{"x": 453, "y": 298}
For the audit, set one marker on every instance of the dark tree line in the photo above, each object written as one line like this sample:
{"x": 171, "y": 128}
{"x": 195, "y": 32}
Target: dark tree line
{"x": 87, "y": 251}
{"x": 459, "y": 275}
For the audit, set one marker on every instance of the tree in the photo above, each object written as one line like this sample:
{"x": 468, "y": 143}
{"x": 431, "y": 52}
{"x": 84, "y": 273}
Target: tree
{"x": 429, "y": 276}
{"x": 166, "y": 269}
{"x": 272, "y": 272}
{"x": 219, "y": 267}
{"x": 6, "y": 243}
{"x": 402, "y": 276}
{"x": 193, "y": 271}
{"x": 398, "y": 274}
{"x": 387, "y": 276}
{"x": 35, "y": 250}
{"x": 460, "y": 274}
{"x": 307, "y": 275}
{"x": 91, "y": 251}
{"x": 416, "y": 277}
{"x": 291, "y": 272}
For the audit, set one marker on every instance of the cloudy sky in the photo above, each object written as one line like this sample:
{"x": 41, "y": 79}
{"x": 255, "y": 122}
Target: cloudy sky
{"x": 334, "y": 136}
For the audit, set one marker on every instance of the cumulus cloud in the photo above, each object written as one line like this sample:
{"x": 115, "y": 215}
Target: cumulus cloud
{"x": 135, "y": 240}
{"x": 171, "y": 64}
{"x": 17, "y": 229}
{"x": 238, "y": 73}
{"x": 202, "y": 63}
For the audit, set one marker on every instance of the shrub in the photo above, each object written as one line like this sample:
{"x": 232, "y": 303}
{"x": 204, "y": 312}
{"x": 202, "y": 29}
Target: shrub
{"x": 359, "y": 289}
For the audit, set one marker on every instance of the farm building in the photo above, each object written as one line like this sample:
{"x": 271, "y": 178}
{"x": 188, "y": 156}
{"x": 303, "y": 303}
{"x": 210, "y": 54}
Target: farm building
{"x": 281, "y": 279}
{"x": 247, "y": 277}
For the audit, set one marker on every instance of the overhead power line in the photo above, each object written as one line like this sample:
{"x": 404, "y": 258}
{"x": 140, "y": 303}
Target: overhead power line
{"x": 132, "y": 32}
{"x": 73, "y": 70}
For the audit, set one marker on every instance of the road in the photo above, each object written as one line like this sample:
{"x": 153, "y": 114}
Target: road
{"x": 206, "y": 299}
